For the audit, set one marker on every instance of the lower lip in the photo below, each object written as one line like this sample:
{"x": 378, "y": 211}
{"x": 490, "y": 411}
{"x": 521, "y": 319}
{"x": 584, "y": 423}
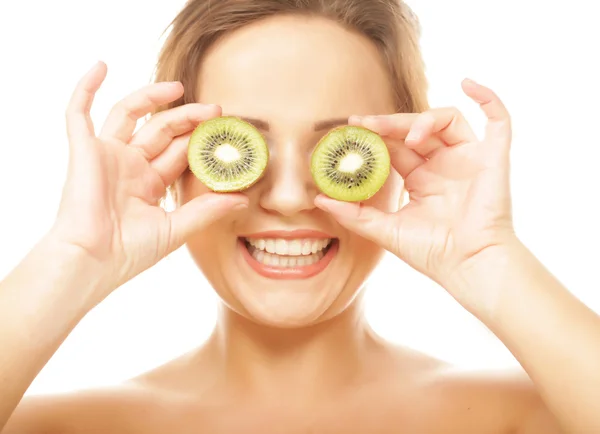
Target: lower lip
{"x": 300, "y": 272}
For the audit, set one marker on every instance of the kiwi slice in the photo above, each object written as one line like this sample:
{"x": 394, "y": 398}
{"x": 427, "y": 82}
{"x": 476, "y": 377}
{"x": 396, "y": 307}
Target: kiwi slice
{"x": 350, "y": 163}
{"x": 227, "y": 154}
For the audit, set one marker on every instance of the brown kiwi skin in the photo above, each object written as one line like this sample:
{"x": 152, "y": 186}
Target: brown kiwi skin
{"x": 234, "y": 190}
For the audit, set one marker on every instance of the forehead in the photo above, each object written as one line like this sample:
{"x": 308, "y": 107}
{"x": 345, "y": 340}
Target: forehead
{"x": 299, "y": 66}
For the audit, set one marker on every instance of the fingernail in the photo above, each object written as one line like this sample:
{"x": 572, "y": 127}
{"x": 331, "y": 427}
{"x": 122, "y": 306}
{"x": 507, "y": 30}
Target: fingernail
{"x": 209, "y": 106}
{"x": 240, "y": 206}
{"x": 413, "y": 136}
{"x": 354, "y": 119}
{"x": 371, "y": 122}
{"x": 96, "y": 65}
{"x": 369, "y": 119}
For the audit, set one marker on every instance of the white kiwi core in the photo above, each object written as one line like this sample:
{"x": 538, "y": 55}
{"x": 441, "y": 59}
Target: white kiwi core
{"x": 351, "y": 163}
{"x": 227, "y": 153}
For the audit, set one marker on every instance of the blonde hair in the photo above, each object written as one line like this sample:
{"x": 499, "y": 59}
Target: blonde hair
{"x": 389, "y": 24}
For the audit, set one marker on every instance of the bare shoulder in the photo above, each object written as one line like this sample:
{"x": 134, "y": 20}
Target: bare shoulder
{"x": 500, "y": 398}
{"x": 155, "y": 401}
{"x": 510, "y": 393}
{"x": 495, "y": 401}
{"x": 150, "y": 402}
{"x": 98, "y": 410}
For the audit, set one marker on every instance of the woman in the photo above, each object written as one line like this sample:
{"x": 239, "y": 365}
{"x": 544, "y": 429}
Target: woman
{"x": 291, "y": 351}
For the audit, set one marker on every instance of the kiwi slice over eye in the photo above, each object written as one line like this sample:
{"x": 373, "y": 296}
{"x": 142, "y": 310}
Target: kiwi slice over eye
{"x": 227, "y": 154}
{"x": 350, "y": 163}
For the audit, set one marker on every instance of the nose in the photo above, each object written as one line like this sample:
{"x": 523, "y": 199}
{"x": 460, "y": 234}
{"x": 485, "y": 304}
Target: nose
{"x": 288, "y": 187}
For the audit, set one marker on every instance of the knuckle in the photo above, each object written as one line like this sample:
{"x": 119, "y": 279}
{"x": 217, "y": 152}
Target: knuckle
{"x": 126, "y": 108}
{"x": 143, "y": 152}
{"x": 455, "y": 112}
{"x": 493, "y": 95}
{"x": 428, "y": 117}
{"x": 71, "y": 110}
{"x": 166, "y": 130}
{"x": 431, "y": 115}
{"x": 134, "y": 105}
{"x": 122, "y": 107}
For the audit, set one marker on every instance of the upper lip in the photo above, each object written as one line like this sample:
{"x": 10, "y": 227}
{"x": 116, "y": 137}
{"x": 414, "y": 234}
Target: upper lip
{"x": 295, "y": 234}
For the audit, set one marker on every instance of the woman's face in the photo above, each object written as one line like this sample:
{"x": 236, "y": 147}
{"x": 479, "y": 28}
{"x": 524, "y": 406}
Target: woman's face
{"x": 294, "y": 78}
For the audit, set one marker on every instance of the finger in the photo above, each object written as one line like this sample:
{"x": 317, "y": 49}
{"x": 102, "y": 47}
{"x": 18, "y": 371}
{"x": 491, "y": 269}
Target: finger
{"x": 122, "y": 119}
{"x": 404, "y": 160}
{"x": 156, "y": 135}
{"x": 200, "y": 212}
{"x": 79, "y": 123}
{"x": 172, "y": 162}
{"x": 447, "y": 122}
{"x": 427, "y": 145}
{"x": 438, "y": 128}
{"x": 498, "y": 128}
{"x": 366, "y": 221}
{"x": 425, "y": 132}
{"x": 395, "y": 126}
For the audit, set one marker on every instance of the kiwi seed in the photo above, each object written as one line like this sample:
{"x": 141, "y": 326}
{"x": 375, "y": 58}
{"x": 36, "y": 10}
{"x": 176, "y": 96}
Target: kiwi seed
{"x": 350, "y": 163}
{"x": 227, "y": 154}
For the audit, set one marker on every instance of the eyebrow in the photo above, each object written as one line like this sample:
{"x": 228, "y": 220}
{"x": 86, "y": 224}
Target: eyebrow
{"x": 318, "y": 126}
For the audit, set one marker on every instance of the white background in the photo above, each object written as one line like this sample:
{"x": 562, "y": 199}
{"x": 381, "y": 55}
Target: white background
{"x": 541, "y": 57}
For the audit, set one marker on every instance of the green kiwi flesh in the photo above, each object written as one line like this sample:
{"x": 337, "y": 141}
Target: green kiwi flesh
{"x": 227, "y": 154}
{"x": 350, "y": 163}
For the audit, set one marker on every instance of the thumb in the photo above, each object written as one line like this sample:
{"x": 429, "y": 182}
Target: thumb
{"x": 200, "y": 212}
{"x": 366, "y": 221}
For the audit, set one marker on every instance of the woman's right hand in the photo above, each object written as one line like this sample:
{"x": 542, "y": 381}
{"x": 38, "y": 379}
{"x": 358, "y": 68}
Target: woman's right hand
{"x": 110, "y": 208}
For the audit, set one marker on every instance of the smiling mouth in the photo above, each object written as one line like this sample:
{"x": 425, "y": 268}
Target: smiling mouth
{"x": 288, "y": 253}
{"x": 289, "y": 258}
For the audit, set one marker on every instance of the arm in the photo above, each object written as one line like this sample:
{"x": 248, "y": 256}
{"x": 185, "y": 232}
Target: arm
{"x": 41, "y": 301}
{"x": 457, "y": 229}
{"x": 96, "y": 244}
{"x": 554, "y": 336}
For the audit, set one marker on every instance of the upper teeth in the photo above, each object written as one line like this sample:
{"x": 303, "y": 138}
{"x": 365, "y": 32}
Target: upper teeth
{"x": 289, "y": 247}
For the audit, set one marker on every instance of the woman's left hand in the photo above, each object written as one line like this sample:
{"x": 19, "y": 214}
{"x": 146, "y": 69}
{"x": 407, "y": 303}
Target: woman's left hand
{"x": 458, "y": 187}
{"x": 457, "y": 229}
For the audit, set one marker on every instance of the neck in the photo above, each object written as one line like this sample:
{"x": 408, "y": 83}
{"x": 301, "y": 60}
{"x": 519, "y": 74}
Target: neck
{"x": 309, "y": 362}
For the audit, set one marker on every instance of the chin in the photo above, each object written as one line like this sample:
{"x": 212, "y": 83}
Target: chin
{"x": 289, "y": 279}
{"x": 273, "y": 291}
{"x": 284, "y": 309}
